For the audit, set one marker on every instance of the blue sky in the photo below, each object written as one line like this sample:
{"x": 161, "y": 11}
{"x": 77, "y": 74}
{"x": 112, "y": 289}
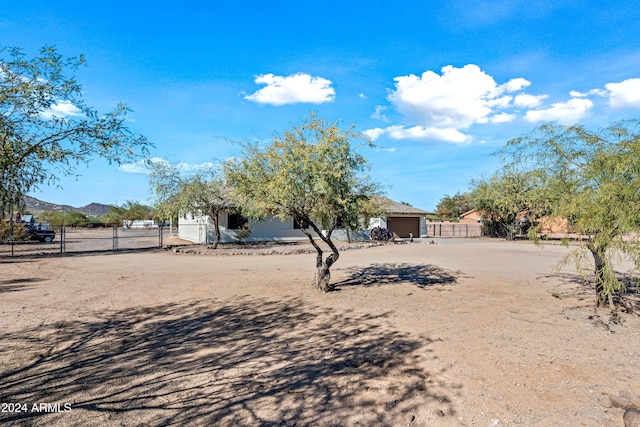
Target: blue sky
{"x": 438, "y": 85}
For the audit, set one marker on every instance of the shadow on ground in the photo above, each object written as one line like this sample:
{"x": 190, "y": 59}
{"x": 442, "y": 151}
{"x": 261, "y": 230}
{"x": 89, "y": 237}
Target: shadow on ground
{"x": 421, "y": 275}
{"x": 583, "y": 289}
{"x": 252, "y": 362}
{"x": 15, "y": 285}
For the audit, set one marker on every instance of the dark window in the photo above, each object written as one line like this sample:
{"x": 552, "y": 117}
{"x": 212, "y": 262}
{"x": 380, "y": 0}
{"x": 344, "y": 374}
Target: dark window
{"x": 297, "y": 225}
{"x": 237, "y": 221}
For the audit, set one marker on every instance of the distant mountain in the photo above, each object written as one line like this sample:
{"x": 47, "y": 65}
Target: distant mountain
{"x": 95, "y": 209}
{"x": 36, "y": 206}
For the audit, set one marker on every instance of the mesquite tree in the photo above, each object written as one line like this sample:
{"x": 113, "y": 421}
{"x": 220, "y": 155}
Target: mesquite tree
{"x": 179, "y": 192}
{"x": 311, "y": 173}
{"x": 592, "y": 179}
{"x": 46, "y": 129}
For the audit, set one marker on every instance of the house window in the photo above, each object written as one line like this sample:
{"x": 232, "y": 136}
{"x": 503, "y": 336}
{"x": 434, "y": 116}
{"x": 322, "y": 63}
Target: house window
{"x": 297, "y": 225}
{"x": 237, "y": 221}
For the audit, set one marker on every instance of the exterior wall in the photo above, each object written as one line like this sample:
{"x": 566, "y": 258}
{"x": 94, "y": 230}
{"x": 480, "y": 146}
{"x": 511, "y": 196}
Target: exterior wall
{"x": 272, "y": 228}
{"x": 201, "y": 230}
{"x": 378, "y": 222}
{"x": 471, "y": 217}
{"x": 554, "y": 225}
{"x": 192, "y": 228}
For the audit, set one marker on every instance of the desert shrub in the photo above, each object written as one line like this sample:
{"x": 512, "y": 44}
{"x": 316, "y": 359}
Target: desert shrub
{"x": 243, "y": 233}
{"x": 9, "y": 232}
{"x": 379, "y": 233}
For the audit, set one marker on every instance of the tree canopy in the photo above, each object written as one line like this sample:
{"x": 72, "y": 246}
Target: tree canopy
{"x": 509, "y": 201}
{"x": 47, "y": 130}
{"x": 451, "y": 207}
{"x": 312, "y": 173}
{"x": 127, "y": 212}
{"x": 201, "y": 193}
{"x": 591, "y": 178}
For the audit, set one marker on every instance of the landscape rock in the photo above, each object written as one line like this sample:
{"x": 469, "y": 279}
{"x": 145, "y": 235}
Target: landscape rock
{"x": 631, "y": 417}
{"x": 605, "y": 402}
{"x": 622, "y": 402}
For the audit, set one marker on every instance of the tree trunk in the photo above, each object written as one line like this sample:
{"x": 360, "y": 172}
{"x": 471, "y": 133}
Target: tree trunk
{"x": 322, "y": 277}
{"x": 216, "y": 225}
{"x": 322, "y": 274}
{"x": 602, "y": 294}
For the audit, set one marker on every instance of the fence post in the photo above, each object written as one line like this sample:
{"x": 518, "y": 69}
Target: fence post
{"x": 115, "y": 237}
{"x": 62, "y": 238}
{"x": 160, "y": 235}
{"x": 13, "y": 236}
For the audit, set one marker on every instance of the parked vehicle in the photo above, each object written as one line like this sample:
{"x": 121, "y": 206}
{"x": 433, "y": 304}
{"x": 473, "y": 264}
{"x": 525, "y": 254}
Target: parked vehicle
{"x": 31, "y": 232}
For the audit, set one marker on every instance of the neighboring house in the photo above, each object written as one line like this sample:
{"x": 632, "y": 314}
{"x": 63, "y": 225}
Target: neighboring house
{"x": 548, "y": 224}
{"x": 471, "y": 217}
{"x": 400, "y": 220}
{"x": 554, "y": 225}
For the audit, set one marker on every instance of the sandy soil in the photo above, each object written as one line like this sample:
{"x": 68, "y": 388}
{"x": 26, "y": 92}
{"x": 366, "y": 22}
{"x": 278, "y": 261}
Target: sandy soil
{"x": 462, "y": 333}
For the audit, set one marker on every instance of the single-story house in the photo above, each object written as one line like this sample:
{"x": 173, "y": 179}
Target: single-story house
{"x": 548, "y": 224}
{"x": 471, "y": 217}
{"x": 401, "y": 220}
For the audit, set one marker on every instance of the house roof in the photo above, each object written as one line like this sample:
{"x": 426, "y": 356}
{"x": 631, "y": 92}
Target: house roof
{"x": 393, "y": 207}
{"x": 473, "y": 213}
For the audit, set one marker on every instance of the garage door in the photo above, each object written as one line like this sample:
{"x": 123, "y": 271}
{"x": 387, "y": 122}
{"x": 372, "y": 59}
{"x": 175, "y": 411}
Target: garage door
{"x": 402, "y": 226}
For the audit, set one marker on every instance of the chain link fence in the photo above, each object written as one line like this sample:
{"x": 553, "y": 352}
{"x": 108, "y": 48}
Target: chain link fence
{"x": 15, "y": 241}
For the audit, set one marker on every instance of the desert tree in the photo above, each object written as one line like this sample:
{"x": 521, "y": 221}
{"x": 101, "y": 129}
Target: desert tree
{"x": 311, "y": 173}
{"x": 592, "y": 179}
{"x": 127, "y": 212}
{"x": 183, "y": 191}
{"x": 71, "y": 218}
{"x": 451, "y": 207}
{"x": 47, "y": 130}
{"x": 509, "y": 201}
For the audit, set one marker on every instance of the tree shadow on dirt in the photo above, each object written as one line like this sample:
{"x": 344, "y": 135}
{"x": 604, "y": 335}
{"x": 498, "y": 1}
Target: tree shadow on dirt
{"x": 583, "y": 289}
{"x": 15, "y": 285}
{"x": 421, "y": 275}
{"x": 251, "y": 362}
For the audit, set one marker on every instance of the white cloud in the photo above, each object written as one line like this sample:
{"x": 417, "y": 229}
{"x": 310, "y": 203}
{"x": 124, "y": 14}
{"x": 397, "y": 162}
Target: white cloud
{"x": 528, "y": 101}
{"x": 388, "y": 150}
{"x": 63, "y": 109}
{"x": 456, "y": 99}
{"x": 140, "y": 167}
{"x": 517, "y": 84}
{"x": 502, "y": 118}
{"x": 362, "y": 96}
{"x": 441, "y": 106}
{"x": 296, "y": 88}
{"x": 566, "y": 113}
{"x": 379, "y": 113}
{"x": 624, "y": 94}
{"x": 374, "y": 133}
{"x": 419, "y": 133}
{"x": 502, "y": 102}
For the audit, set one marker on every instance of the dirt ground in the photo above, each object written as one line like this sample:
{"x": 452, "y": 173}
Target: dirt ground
{"x": 459, "y": 333}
